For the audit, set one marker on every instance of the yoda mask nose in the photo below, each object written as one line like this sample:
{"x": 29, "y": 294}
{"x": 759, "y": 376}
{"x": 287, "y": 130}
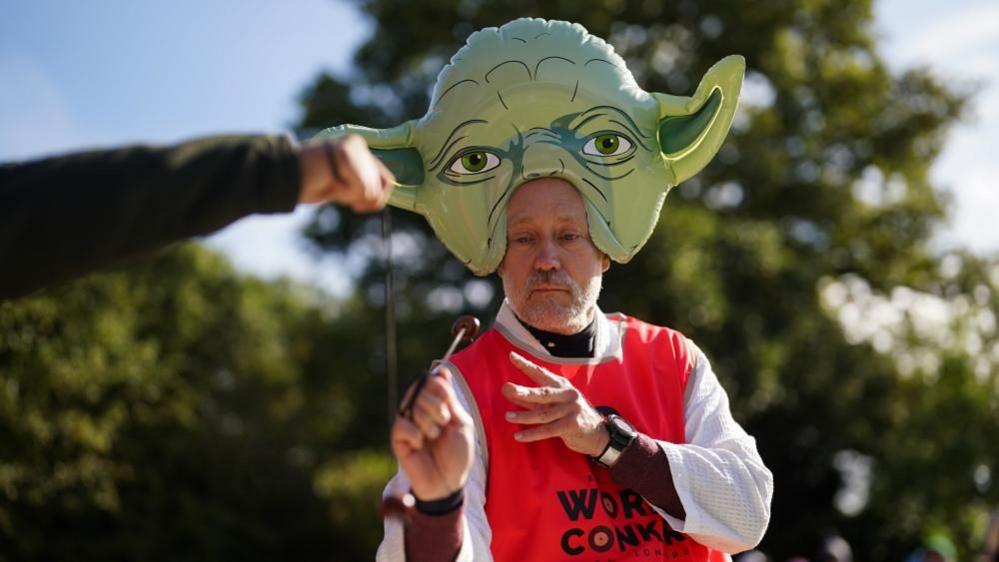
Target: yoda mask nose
{"x": 538, "y": 98}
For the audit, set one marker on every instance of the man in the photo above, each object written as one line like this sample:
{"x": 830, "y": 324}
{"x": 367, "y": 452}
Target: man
{"x": 508, "y": 456}
{"x": 564, "y": 433}
{"x": 64, "y": 216}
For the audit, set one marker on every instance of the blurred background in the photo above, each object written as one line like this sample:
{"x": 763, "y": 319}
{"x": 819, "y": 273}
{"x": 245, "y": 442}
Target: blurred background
{"x": 838, "y": 261}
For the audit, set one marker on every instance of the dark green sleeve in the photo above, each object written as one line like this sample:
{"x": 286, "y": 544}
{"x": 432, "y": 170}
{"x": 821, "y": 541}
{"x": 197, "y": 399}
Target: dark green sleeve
{"x": 65, "y": 216}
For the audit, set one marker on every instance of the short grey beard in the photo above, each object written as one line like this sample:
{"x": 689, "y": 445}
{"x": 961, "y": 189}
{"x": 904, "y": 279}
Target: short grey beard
{"x": 550, "y": 315}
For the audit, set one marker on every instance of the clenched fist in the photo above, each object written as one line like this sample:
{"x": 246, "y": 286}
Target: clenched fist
{"x": 435, "y": 448}
{"x": 344, "y": 171}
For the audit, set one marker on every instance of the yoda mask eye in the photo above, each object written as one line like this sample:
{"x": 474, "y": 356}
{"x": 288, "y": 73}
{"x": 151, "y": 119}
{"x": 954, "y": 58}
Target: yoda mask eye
{"x": 538, "y": 98}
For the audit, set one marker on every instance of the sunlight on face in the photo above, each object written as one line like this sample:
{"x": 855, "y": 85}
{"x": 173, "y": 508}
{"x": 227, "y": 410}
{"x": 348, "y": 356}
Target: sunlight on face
{"x": 551, "y": 271}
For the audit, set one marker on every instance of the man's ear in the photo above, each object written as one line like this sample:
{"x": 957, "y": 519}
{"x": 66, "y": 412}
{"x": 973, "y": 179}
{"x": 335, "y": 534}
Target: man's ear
{"x": 606, "y": 261}
{"x": 395, "y": 147}
{"x": 692, "y": 129}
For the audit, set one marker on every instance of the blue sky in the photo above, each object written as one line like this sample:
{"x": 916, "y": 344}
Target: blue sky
{"x": 82, "y": 74}
{"x": 108, "y": 71}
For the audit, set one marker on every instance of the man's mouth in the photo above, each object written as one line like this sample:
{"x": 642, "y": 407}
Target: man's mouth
{"x": 549, "y": 289}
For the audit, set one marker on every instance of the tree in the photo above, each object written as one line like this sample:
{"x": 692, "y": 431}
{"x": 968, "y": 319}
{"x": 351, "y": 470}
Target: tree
{"x": 823, "y": 180}
{"x": 176, "y": 410}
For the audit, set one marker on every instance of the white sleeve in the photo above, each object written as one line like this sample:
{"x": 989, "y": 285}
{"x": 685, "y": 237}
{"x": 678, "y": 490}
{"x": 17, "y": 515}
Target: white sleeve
{"x": 475, "y": 528}
{"x": 723, "y": 485}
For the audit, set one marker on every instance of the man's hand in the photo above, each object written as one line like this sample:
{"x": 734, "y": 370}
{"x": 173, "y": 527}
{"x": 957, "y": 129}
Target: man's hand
{"x": 556, "y": 409}
{"x": 435, "y": 448}
{"x": 344, "y": 171}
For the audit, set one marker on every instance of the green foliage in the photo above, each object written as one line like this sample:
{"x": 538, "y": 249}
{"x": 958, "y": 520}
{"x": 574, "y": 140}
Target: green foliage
{"x": 824, "y": 179}
{"x": 177, "y": 410}
{"x": 352, "y": 486}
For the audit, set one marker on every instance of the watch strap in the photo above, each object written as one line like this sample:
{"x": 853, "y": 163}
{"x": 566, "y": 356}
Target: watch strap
{"x": 609, "y": 457}
{"x": 619, "y": 440}
{"x": 440, "y": 506}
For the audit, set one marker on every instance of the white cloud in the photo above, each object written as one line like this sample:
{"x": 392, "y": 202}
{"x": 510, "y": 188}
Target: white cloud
{"x": 954, "y": 36}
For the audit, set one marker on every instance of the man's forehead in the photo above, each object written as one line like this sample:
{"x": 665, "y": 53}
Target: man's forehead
{"x": 546, "y": 199}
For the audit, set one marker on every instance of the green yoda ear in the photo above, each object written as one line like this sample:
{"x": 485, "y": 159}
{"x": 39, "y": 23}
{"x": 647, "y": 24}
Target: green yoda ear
{"x": 395, "y": 148}
{"x": 691, "y": 129}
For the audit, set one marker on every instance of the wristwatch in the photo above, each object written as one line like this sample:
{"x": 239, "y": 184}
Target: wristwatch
{"x": 621, "y": 435}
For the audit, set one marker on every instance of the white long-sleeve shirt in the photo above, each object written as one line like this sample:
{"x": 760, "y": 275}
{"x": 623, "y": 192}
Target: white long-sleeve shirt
{"x": 722, "y": 483}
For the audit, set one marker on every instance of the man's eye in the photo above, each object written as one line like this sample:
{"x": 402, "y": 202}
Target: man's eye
{"x": 474, "y": 162}
{"x": 570, "y": 236}
{"x": 607, "y": 144}
{"x": 523, "y": 239}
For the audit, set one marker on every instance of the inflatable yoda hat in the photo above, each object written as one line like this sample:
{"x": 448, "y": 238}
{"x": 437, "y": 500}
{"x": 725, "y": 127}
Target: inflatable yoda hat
{"x": 538, "y": 98}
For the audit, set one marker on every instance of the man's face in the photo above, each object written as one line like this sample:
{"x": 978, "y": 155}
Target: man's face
{"x": 551, "y": 271}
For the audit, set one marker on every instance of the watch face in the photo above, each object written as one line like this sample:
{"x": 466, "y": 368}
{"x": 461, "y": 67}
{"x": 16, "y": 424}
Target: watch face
{"x": 622, "y": 426}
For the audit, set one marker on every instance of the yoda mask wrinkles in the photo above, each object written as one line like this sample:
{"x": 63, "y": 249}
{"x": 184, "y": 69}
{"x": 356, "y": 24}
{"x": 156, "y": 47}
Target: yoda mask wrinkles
{"x": 538, "y": 98}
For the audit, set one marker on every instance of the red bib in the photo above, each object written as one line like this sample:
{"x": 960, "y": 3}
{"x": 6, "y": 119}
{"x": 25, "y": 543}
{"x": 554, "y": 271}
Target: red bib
{"x": 545, "y": 502}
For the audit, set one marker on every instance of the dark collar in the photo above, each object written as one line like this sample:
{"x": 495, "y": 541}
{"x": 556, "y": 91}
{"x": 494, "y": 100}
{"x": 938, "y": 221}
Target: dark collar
{"x": 580, "y": 344}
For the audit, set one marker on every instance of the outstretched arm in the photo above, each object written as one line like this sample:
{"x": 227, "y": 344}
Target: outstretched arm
{"x": 65, "y": 216}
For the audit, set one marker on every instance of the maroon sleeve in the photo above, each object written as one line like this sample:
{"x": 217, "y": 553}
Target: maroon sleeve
{"x": 644, "y": 468}
{"x": 434, "y": 538}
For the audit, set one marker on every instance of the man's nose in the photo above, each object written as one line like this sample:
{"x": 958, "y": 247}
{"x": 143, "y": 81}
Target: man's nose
{"x": 547, "y": 258}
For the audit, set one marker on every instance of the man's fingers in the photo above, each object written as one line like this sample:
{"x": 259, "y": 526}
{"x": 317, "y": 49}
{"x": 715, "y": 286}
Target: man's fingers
{"x": 514, "y": 393}
{"x": 406, "y": 436}
{"x": 385, "y": 175}
{"x": 531, "y": 396}
{"x": 359, "y": 175}
{"x": 546, "y": 431}
{"x": 376, "y": 195}
{"x": 374, "y": 178}
{"x": 434, "y": 406}
{"x": 536, "y": 373}
{"x": 426, "y": 423}
{"x": 377, "y": 181}
{"x": 387, "y": 180}
{"x": 346, "y": 162}
{"x": 543, "y": 414}
{"x": 370, "y": 192}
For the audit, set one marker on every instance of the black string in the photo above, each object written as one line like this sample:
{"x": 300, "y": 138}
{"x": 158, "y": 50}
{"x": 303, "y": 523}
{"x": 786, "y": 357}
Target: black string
{"x": 392, "y": 397}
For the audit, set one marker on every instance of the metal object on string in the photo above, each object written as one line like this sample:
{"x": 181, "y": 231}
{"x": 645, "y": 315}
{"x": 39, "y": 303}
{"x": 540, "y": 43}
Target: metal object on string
{"x": 465, "y": 328}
